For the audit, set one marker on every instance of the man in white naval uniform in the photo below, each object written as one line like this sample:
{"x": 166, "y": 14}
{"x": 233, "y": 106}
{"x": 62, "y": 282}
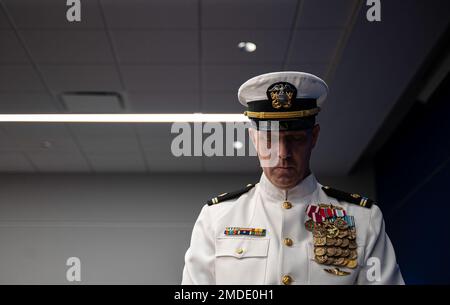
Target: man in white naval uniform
{"x": 288, "y": 228}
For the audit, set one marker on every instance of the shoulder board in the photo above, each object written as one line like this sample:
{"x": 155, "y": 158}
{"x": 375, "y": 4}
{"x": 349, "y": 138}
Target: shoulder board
{"x": 231, "y": 195}
{"x": 349, "y": 197}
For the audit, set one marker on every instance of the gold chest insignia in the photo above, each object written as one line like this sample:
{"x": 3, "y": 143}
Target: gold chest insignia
{"x": 334, "y": 237}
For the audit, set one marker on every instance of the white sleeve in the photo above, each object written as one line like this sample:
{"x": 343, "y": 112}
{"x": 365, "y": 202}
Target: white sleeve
{"x": 380, "y": 265}
{"x": 199, "y": 258}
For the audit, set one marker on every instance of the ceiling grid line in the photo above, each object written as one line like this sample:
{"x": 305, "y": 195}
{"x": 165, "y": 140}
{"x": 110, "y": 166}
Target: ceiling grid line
{"x": 80, "y": 148}
{"x": 29, "y": 160}
{"x": 112, "y": 47}
{"x": 141, "y": 149}
{"x": 29, "y": 56}
{"x": 292, "y": 31}
{"x": 342, "y": 43}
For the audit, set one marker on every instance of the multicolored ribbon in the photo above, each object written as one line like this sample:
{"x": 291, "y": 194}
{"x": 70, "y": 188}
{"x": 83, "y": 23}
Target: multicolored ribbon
{"x": 245, "y": 231}
{"x": 317, "y": 218}
{"x": 320, "y": 214}
{"x": 311, "y": 209}
{"x": 339, "y": 213}
{"x": 350, "y": 220}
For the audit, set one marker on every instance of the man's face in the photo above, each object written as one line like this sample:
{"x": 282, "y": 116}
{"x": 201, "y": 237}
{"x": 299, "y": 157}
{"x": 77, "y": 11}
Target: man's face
{"x": 294, "y": 154}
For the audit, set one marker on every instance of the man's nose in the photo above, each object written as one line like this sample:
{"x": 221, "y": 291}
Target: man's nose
{"x": 283, "y": 149}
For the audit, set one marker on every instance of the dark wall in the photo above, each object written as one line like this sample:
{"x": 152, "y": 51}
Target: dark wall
{"x": 413, "y": 190}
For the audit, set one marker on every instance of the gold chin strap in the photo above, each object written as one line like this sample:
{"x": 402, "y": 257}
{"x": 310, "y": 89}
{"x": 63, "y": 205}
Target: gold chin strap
{"x": 282, "y": 115}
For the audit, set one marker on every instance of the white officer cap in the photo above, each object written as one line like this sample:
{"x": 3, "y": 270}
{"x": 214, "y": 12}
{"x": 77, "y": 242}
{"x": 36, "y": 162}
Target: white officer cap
{"x": 293, "y": 98}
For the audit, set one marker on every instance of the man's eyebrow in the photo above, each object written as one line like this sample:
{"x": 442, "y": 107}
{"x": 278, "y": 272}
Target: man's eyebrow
{"x": 302, "y": 134}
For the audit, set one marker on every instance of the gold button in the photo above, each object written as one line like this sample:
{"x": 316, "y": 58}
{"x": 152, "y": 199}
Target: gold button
{"x": 286, "y": 279}
{"x": 239, "y": 250}
{"x": 287, "y": 205}
{"x": 288, "y": 242}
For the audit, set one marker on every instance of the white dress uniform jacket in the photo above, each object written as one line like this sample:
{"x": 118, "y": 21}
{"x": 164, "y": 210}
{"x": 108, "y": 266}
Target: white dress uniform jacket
{"x": 216, "y": 258}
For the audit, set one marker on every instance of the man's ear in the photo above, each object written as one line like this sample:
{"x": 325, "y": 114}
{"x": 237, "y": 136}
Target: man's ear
{"x": 315, "y": 134}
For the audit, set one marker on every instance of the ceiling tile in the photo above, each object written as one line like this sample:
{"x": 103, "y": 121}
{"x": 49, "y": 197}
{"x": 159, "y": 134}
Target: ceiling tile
{"x": 97, "y": 144}
{"x": 161, "y": 14}
{"x": 317, "y": 69}
{"x": 7, "y": 143}
{"x": 26, "y": 103}
{"x": 164, "y": 103}
{"x": 164, "y": 163}
{"x": 162, "y": 130}
{"x": 221, "y": 102}
{"x": 325, "y": 13}
{"x": 20, "y": 79}
{"x": 45, "y": 14}
{"x": 59, "y": 162}
{"x": 313, "y": 46}
{"x": 45, "y": 137}
{"x": 31, "y": 130}
{"x": 117, "y": 162}
{"x": 232, "y": 164}
{"x": 161, "y": 78}
{"x": 249, "y": 14}
{"x": 66, "y": 47}
{"x": 102, "y": 129}
{"x": 155, "y": 137}
{"x": 11, "y": 51}
{"x": 228, "y": 78}
{"x": 81, "y": 78}
{"x": 158, "y": 143}
{"x": 14, "y": 162}
{"x": 105, "y": 138}
{"x": 4, "y": 24}
{"x": 220, "y": 46}
{"x": 157, "y": 47}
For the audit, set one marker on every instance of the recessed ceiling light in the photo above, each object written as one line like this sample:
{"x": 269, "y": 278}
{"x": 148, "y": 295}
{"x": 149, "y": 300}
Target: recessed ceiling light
{"x": 238, "y": 145}
{"x": 247, "y": 46}
{"x": 126, "y": 118}
{"x": 46, "y": 144}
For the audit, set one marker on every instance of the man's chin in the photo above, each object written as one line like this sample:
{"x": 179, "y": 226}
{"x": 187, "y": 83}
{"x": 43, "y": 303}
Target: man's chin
{"x": 285, "y": 181}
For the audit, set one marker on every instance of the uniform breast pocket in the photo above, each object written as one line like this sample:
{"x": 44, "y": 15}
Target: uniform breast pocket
{"x": 318, "y": 276}
{"x": 241, "y": 260}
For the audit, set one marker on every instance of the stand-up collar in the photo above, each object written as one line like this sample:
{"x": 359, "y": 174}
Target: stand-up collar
{"x": 298, "y": 192}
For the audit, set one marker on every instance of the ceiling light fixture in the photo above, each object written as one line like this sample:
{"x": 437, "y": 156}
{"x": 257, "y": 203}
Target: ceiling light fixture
{"x": 238, "y": 145}
{"x": 46, "y": 144}
{"x": 247, "y": 46}
{"x": 125, "y": 118}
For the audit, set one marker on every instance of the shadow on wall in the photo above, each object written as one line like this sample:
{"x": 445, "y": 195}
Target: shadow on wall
{"x": 412, "y": 177}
